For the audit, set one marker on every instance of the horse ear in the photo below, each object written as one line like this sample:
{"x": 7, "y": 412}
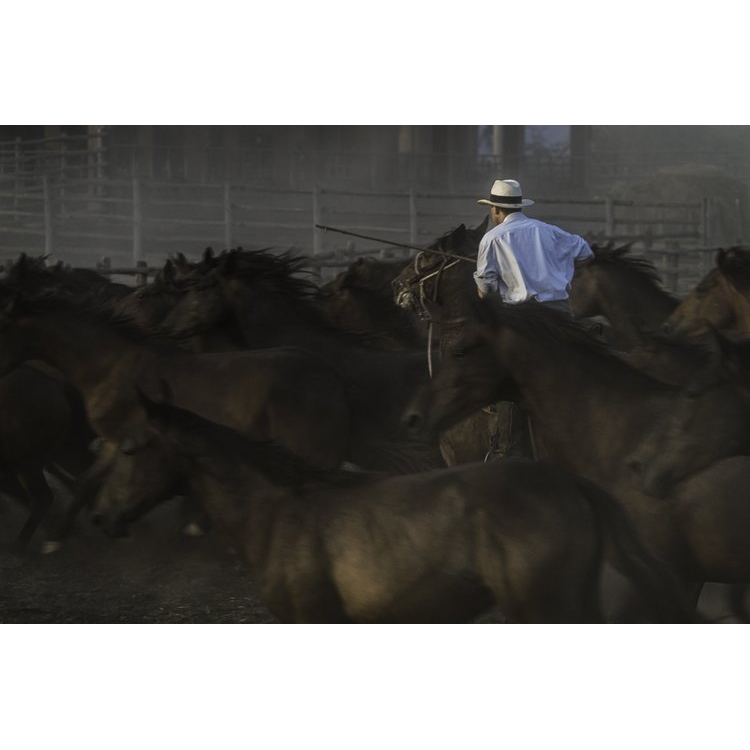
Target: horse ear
{"x": 208, "y": 254}
{"x": 17, "y": 271}
{"x": 479, "y": 231}
{"x": 181, "y": 263}
{"x": 458, "y": 235}
{"x": 168, "y": 272}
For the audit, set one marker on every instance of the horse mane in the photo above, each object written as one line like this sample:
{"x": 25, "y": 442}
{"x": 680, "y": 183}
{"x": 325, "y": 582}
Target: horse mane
{"x": 679, "y": 344}
{"x": 542, "y": 324}
{"x": 98, "y": 306}
{"x": 276, "y": 269}
{"x": 260, "y": 266}
{"x": 620, "y": 258}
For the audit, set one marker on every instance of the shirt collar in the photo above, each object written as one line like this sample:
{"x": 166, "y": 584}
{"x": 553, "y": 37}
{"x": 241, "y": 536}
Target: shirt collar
{"x": 515, "y": 216}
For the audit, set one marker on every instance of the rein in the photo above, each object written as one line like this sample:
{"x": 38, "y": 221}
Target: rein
{"x": 425, "y": 310}
{"x": 396, "y": 244}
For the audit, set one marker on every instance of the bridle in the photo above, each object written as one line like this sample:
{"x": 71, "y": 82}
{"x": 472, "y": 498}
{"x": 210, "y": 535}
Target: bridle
{"x": 425, "y": 303}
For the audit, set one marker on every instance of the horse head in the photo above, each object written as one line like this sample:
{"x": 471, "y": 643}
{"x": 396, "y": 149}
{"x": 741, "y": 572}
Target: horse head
{"x": 469, "y": 377}
{"x": 708, "y": 304}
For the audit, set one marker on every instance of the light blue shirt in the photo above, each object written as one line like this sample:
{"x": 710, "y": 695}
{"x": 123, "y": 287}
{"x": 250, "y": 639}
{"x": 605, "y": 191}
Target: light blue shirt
{"x": 524, "y": 258}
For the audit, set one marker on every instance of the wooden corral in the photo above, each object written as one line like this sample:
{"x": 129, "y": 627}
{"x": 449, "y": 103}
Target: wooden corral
{"x": 81, "y": 220}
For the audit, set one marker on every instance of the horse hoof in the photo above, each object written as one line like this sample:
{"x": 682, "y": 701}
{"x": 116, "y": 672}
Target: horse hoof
{"x": 48, "y": 548}
{"x": 193, "y": 529}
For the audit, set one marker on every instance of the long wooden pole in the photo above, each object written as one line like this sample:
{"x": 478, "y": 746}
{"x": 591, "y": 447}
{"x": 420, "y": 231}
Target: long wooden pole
{"x": 396, "y": 244}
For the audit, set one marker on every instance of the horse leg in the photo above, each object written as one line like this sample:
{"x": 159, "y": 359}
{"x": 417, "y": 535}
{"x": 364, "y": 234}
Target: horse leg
{"x": 194, "y": 517}
{"x": 737, "y": 603}
{"x": 40, "y": 498}
{"x": 84, "y": 495}
{"x": 12, "y": 487}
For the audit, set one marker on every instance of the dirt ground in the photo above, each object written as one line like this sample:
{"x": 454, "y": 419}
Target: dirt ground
{"x": 157, "y": 575}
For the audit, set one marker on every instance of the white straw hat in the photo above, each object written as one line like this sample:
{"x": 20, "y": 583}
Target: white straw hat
{"x": 506, "y": 194}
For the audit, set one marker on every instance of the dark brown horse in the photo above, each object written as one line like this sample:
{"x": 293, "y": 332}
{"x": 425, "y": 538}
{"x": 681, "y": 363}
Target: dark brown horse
{"x": 710, "y": 421}
{"x": 42, "y": 428}
{"x": 441, "y": 290}
{"x": 441, "y": 546}
{"x": 590, "y": 412}
{"x": 283, "y": 394}
{"x": 268, "y": 299}
{"x": 360, "y": 300}
{"x": 626, "y": 290}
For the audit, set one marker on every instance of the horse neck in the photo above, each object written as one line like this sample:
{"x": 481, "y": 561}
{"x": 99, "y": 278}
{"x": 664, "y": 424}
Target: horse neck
{"x": 453, "y": 291}
{"x": 98, "y": 362}
{"x": 740, "y": 306}
{"x": 82, "y": 349}
{"x": 632, "y": 304}
{"x": 240, "y": 499}
{"x": 567, "y": 388}
{"x": 267, "y": 319}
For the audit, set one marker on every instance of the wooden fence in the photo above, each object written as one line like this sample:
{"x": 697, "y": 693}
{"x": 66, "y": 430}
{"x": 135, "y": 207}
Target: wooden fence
{"x": 137, "y": 223}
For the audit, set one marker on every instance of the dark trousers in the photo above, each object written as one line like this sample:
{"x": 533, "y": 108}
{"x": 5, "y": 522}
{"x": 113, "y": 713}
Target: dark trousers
{"x": 514, "y": 437}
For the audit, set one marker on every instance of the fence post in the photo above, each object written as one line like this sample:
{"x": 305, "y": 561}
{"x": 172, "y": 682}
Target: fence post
{"x": 704, "y": 221}
{"x": 738, "y": 218}
{"x": 316, "y": 210}
{"x": 412, "y": 217}
{"x": 609, "y": 217}
{"x": 63, "y": 168}
{"x": 137, "y": 222}
{"x": 141, "y": 273}
{"x": 48, "y": 217}
{"x": 103, "y": 265}
{"x": 17, "y": 180}
{"x": 673, "y": 267}
{"x": 228, "y": 239}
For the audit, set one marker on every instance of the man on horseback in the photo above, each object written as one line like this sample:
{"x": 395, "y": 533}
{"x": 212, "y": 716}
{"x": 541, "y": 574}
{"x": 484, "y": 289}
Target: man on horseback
{"x": 524, "y": 259}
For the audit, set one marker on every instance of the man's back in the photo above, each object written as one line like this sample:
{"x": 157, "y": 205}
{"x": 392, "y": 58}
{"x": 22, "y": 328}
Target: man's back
{"x": 524, "y": 258}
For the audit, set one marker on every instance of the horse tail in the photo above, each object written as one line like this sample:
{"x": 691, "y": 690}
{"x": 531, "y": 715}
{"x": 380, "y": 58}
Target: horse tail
{"x": 662, "y": 590}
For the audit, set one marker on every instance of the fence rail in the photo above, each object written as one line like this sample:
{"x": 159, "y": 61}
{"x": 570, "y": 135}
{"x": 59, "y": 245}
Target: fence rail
{"x": 135, "y": 222}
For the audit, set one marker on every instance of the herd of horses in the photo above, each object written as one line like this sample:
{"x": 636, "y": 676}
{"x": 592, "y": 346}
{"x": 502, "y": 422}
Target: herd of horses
{"x": 341, "y": 435}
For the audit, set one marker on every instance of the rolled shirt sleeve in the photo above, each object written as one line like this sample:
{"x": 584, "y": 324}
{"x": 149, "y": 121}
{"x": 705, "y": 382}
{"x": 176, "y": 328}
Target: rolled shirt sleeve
{"x": 498, "y": 271}
{"x": 486, "y": 275}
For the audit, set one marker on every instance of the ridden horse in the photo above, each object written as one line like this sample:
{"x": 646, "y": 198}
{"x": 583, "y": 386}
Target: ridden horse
{"x": 720, "y": 300}
{"x": 440, "y": 546}
{"x": 440, "y": 290}
{"x": 262, "y": 296}
{"x": 590, "y": 411}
